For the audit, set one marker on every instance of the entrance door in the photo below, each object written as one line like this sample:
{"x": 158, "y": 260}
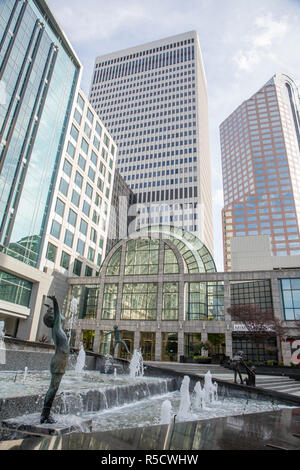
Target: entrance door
{"x": 147, "y": 345}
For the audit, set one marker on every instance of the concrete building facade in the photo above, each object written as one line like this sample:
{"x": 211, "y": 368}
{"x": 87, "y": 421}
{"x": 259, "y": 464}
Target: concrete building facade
{"x": 153, "y": 100}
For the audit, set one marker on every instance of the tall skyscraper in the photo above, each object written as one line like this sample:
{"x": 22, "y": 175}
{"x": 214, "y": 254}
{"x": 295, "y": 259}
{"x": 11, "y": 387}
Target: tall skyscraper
{"x": 153, "y": 100}
{"x": 260, "y": 148}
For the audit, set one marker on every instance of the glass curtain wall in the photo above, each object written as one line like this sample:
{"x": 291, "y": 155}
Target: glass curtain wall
{"x": 290, "y": 297}
{"x": 139, "y": 301}
{"x": 39, "y": 76}
{"x": 170, "y": 301}
{"x": 141, "y": 257}
{"x": 15, "y": 289}
{"x": 109, "y": 305}
{"x": 204, "y": 301}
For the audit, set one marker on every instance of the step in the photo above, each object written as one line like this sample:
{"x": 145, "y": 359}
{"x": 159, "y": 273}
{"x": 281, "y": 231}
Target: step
{"x": 274, "y": 382}
{"x": 283, "y": 387}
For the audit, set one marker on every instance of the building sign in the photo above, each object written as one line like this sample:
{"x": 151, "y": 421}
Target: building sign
{"x": 243, "y": 327}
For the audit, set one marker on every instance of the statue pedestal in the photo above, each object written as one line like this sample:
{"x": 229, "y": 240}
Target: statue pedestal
{"x": 30, "y": 424}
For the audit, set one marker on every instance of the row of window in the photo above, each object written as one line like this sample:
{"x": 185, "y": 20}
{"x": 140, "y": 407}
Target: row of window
{"x": 152, "y": 62}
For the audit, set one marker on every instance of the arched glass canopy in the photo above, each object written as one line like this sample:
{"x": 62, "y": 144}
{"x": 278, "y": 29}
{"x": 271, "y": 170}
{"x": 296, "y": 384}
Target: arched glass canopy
{"x": 142, "y": 252}
{"x": 195, "y": 254}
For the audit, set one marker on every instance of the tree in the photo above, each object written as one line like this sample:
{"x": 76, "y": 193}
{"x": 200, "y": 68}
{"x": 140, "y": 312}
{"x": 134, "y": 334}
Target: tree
{"x": 259, "y": 325}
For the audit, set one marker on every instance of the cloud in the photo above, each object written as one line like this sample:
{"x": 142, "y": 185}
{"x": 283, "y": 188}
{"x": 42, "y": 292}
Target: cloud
{"x": 267, "y": 32}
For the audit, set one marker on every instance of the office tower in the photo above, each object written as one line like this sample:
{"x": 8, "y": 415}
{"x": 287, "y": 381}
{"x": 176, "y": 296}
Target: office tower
{"x": 39, "y": 73}
{"x": 153, "y": 100}
{"x": 260, "y": 144}
{"x": 57, "y": 165}
{"x": 76, "y": 235}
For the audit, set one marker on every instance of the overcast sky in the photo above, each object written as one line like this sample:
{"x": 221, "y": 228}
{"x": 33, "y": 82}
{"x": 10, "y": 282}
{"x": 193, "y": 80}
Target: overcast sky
{"x": 243, "y": 42}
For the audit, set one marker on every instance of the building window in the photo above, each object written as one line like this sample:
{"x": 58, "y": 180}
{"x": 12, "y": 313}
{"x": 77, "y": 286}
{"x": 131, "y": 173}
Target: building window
{"x": 252, "y": 292}
{"x": 69, "y": 238}
{"x": 170, "y": 301}
{"x": 205, "y": 301}
{"x": 14, "y": 289}
{"x": 113, "y": 267}
{"x": 109, "y": 304}
{"x": 59, "y": 207}
{"x": 170, "y": 261}
{"x": 77, "y": 267}
{"x": 88, "y": 271}
{"x": 65, "y": 260}
{"x": 55, "y": 229}
{"x": 141, "y": 257}
{"x": 139, "y": 301}
{"x": 51, "y": 252}
{"x": 290, "y": 294}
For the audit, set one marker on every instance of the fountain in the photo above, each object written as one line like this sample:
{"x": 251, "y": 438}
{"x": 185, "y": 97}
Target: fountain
{"x": 72, "y": 316}
{"x": 25, "y": 374}
{"x": 199, "y": 392}
{"x": 166, "y": 412}
{"x": 80, "y": 363}
{"x": 185, "y": 400}
{"x": 136, "y": 366}
{"x": 108, "y": 363}
{"x": 2, "y": 344}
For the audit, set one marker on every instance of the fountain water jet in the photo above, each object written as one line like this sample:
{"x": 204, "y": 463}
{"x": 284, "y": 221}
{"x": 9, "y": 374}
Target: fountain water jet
{"x": 80, "y": 363}
{"x": 185, "y": 400}
{"x": 166, "y": 412}
{"x": 136, "y": 366}
{"x": 25, "y": 374}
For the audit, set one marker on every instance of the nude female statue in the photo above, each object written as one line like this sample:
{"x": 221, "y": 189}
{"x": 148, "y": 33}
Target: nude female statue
{"x": 58, "y": 365}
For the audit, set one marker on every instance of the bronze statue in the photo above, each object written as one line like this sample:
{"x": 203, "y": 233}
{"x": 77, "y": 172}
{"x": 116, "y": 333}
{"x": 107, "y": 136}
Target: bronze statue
{"x": 117, "y": 338}
{"x": 58, "y": 365}
{"x": 237, "y": 362}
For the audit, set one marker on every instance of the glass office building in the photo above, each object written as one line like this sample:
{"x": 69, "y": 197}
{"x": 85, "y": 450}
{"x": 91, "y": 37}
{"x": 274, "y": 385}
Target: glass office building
{"x": 39, "y": 73}
{"x": 260, "y": 144}
{"x": 39, "y": 76}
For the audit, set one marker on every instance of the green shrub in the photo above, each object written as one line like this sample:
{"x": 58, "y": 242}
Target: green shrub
{"x": 281, "y": 364}
{"x": 250, "y": 363}
{"x": 270, "y": 363}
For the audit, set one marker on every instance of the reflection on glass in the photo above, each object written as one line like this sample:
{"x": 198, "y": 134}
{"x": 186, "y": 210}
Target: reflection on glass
{"x": 109, "y": 305}
{"x": 141, "y": 257}
{"x": 139, "y": 301}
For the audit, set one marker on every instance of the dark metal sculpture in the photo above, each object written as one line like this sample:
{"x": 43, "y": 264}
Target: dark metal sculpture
{"x": 58, "y": 365}
{"x": 237, "y": 363}
{"x": 117, "y": 338}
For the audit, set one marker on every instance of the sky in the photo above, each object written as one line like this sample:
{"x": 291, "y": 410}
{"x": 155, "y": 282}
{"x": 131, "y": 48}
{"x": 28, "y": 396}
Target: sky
{"x": 243, "y": 43}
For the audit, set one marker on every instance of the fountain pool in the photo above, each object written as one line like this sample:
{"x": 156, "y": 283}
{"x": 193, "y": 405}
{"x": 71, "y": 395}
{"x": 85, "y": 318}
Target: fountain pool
{"x": 148, "y": 412}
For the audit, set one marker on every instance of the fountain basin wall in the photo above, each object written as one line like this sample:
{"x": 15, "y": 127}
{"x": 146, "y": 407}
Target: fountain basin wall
{"x": 86, "y": 399}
